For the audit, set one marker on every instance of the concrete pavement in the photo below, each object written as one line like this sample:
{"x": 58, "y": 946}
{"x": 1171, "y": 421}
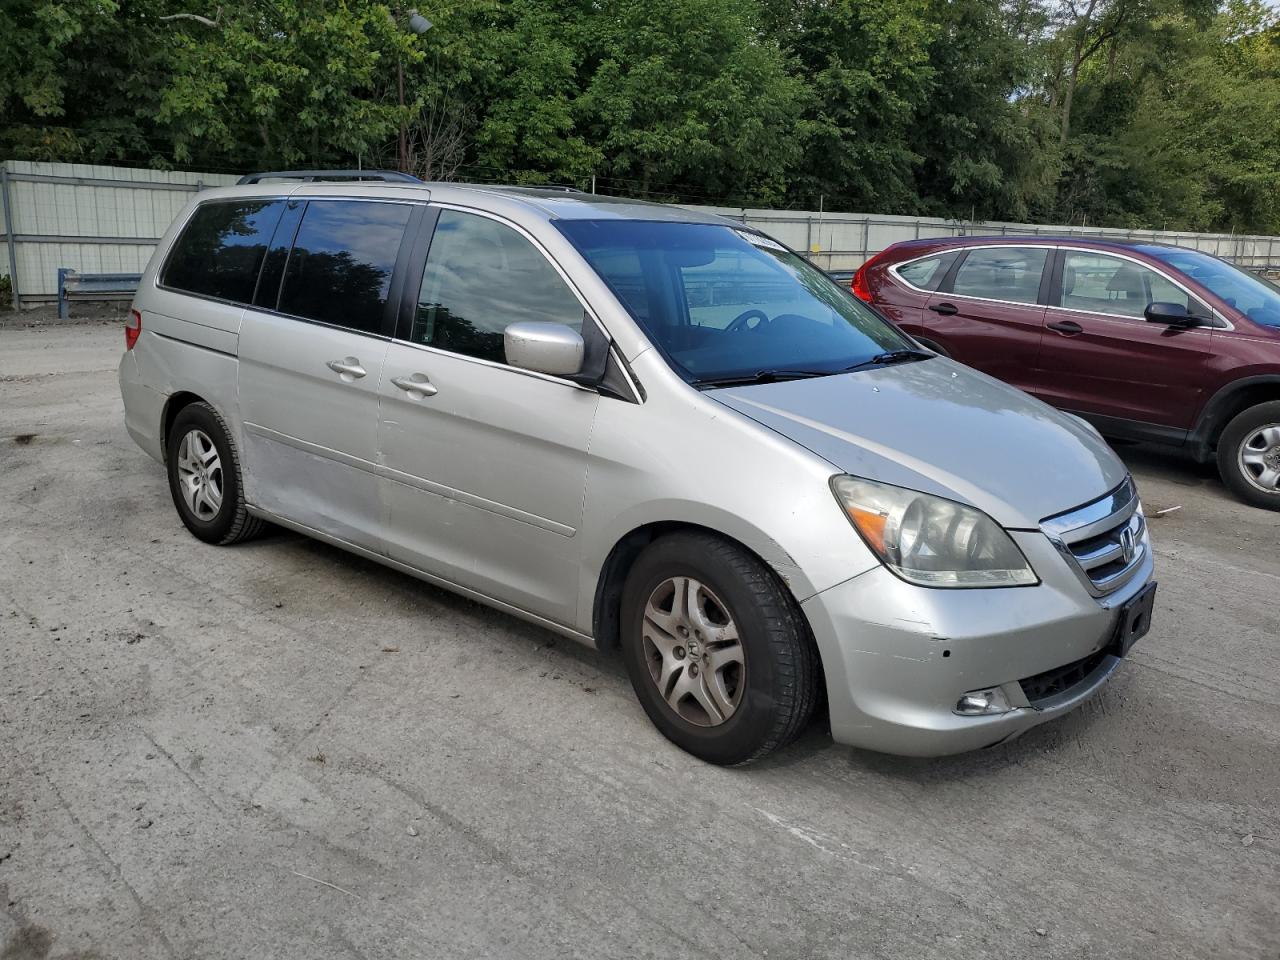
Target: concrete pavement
{"x": 279, "y": 750}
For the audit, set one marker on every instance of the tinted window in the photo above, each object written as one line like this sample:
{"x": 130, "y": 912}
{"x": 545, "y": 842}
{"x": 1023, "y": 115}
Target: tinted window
{"x": 221, "y": 247}
{"x": 1002, "y": 273}
{"x": 339, "y": 270}
{"x": 927, "y": 273}
{"x": 1102, "y": 284}
{"x": 723, "y": 303}
{"x": 481, "y": 276}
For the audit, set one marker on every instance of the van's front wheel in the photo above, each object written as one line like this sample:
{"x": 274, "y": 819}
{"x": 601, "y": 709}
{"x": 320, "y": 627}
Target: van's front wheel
{"x": 204, "y": 477}
{"x": 716, "y": 649}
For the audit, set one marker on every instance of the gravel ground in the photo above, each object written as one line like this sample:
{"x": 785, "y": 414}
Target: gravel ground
{"x": 278, "y": 750}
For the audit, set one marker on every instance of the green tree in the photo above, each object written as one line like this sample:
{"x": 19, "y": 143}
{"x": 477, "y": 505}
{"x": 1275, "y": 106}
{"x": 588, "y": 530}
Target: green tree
{"x": 687, "y": 99}
{"x": 981, "y": 155}
{"x": 283, "y": 84}
{"x": 1175, "y": 128}
{"x": 867, "y": 73}
{"x": 78, "y": 81}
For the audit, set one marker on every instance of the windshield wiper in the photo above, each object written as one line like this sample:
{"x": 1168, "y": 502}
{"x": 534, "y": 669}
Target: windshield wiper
{"x": 893, "y": 356}
{"x": 774, "y": 376}
{"x": 762, "y": 376}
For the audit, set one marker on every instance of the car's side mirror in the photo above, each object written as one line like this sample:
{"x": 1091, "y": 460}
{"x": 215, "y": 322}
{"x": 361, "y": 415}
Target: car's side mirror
{"x": 1170, "y": 314}
{"x": 552, "y": 348}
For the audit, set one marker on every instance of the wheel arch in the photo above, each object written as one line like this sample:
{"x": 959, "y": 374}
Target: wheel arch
{"x": 606, "y": 618}
{"x": 176, "y": 403}
{"x": 1227, "y": 403}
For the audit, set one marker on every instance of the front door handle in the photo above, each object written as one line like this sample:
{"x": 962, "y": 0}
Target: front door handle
{"x": 348, "y": 368}
{"x": 417, "y": 386}
{"x": 1069, "y": 327}
{"x": 945, "y": 309}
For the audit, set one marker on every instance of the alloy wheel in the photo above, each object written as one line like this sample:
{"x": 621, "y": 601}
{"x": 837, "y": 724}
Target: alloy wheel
{"x": 200, "y": 474}
{"x": 1260, "y": 458}
{"x": 694, "y": 654}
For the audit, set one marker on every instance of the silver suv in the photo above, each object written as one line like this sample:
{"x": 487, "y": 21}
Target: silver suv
{"x": 647, "y": 429}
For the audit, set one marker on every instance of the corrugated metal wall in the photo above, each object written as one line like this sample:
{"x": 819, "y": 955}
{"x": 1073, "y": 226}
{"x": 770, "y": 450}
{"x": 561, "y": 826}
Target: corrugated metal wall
{"x": 95, "y": 219}
{"x": 99, "y": 219}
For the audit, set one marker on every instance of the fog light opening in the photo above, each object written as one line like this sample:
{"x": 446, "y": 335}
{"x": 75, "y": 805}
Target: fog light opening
{"x": 983, "y": 703}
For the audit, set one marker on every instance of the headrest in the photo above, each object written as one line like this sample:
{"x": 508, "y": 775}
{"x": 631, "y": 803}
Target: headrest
{"x": 1126, "y": 280}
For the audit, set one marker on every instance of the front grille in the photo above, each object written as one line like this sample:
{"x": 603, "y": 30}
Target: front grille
{"x": 1051, "y": 683}
{"x": 1104, "y": 541}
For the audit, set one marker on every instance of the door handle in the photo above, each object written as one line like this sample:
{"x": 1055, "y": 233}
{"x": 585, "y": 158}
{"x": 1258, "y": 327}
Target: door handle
{"x": 417, "y": 386}
{"x": 348, "y": 368}
{"x": 1069, "y": 327}
{"x": 945, "y": 309}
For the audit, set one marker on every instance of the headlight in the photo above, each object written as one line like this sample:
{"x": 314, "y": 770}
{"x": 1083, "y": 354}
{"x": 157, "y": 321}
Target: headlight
{"x": 931, "y": 541}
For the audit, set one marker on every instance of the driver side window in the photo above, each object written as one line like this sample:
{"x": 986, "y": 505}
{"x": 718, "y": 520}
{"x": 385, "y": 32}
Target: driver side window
{"x": 1102, "y": 284}
{"x": 480, "y": 277}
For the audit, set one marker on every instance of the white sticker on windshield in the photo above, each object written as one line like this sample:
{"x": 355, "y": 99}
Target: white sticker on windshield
{"x": 756, "y": 240}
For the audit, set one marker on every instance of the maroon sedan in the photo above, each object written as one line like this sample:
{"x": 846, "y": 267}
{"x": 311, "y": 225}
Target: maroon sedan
{"x": 1146, "y": 341}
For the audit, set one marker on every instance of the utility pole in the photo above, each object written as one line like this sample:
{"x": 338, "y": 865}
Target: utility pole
{"x": 404, "y": 123}
{"x": 418, "y": 25}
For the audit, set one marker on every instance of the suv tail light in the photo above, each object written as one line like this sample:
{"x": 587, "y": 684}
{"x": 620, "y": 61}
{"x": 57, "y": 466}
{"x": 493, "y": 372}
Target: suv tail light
{"x": 860, "y": 288}
{"x": 132, "y": 327}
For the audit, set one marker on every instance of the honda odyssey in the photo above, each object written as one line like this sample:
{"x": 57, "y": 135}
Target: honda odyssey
{"x": 647, "y": 429}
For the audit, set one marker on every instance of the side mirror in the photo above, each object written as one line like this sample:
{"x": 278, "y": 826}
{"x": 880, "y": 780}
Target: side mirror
{"x": 552, "y": 348}
{"x": 1170, "y": 314}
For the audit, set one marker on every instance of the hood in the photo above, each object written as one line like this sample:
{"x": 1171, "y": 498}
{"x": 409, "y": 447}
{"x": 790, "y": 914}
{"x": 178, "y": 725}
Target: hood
{"x": 941, "y": 428}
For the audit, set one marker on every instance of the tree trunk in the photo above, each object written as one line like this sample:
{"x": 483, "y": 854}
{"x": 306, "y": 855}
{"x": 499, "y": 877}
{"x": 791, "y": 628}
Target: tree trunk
{"x": 1069, "y": 94}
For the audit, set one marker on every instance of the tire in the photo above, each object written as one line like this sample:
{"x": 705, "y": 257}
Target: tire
{"x": 763, "y": 700}
{"x": 220, "y": 519}
{"x": 1249, "y": 455}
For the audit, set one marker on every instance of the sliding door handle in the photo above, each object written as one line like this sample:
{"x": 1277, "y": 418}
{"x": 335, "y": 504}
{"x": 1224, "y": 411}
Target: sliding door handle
{"x": 417, "y": 386}
{"x": 945, "y": 309}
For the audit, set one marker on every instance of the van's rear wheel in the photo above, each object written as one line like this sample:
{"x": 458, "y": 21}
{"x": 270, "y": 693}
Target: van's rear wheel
{"x": 204, "y": 477}
{"x": 717, "y": 649}
{"x": 1249, "y": 455}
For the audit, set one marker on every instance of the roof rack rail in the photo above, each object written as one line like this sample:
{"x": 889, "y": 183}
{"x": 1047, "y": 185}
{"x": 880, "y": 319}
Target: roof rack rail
{"x": 311, "y": 176}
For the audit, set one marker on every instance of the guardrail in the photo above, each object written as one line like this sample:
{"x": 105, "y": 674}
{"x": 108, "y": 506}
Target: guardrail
{"x": 73, "y": 285}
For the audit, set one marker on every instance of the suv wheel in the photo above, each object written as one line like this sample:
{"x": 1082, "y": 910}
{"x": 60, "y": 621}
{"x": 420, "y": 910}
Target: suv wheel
{"x": 1249, "y": 455}
{"x": 716, "y": 648}
{"x": 204, "y": 477}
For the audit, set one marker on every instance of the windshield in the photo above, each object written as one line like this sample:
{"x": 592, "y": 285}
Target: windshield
{"x": 724, "y": 304}
{"x": 1256, "y": 298}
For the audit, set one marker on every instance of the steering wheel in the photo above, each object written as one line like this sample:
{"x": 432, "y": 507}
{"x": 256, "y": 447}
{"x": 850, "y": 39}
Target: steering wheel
{"x": 740, "y": 322}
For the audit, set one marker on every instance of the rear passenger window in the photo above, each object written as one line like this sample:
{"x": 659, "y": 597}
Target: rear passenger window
{"x": 221, "y": 248}
{"x": 926, "y": 274}
{"x": 339, "y": 270}
{"x": 1001, "y": 273}
{"x": 480, "y": 277}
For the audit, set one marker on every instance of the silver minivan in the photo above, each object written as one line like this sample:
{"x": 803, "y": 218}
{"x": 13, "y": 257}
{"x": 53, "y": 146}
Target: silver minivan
{"x": 648, "y": 429}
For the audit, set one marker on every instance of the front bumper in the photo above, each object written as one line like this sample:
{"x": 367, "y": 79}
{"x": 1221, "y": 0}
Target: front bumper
{"x": 898, "y": 657}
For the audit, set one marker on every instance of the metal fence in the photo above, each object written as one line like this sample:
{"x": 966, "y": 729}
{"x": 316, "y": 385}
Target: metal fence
{"x": 107, "y": 220}
{"x": 93, "y": 219}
